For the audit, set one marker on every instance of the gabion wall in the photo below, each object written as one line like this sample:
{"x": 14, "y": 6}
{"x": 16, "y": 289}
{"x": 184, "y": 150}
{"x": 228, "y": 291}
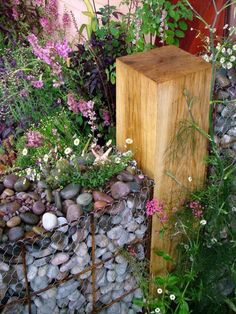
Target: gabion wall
{"x": 79, "y": 267}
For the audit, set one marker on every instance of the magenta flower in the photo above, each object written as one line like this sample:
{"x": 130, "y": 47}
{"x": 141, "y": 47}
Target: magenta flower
{"x": 63, "y": 49}
{"x": 34, "y": 139}
{"x": 85, "y": 107}
{"x": 15, "y": 13}
{"x": 72, "y": 103}
{"x": 37, "y": 84}
{"x": 66, "y": 20}
{"x": 106, "y": 118}
{"x": 196, "y": 209}
{"x": 38, "y": 2}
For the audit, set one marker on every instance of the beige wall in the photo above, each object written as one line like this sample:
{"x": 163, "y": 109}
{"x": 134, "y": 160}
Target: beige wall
{"x": 77, "y": 7}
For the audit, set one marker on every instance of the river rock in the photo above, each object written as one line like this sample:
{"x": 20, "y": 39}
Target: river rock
{"x": 13, "y": 222}
{"x": 84, "y": 199}
{"x": 70, "y": 191}
{"x": 15, "y": 233}
{"x": 9, "y": 208}
{"x": 49, "y": 221}
{"x": 62, "y": 222}
{"x": 115, "y": 233}
{"x": 29, "y": 218}
{"x": 22, "y": 185}
{"x": 119, "y": 190}
{"x": 222, "y": 80}
{"x": 7, "y": 192}
{"x": 59, "y": 259}
{"x": 10, "y": 180}
{"x": 31, "y": 272}
{"x": 74, "y": 212}
{"x": 38, "y": 208}
{"x": 100, "y": 196}
{"x": 39, "y": 283}
{"x": 99, "y": 205}
{"x": 125, "y": 176}
{"x": 53, "y": 271}
{"x": 67, "y": 289}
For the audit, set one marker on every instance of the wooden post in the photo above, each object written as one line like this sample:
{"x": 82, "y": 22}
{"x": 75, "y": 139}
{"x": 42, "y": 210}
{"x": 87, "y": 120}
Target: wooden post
{"x": 151, "y": 106}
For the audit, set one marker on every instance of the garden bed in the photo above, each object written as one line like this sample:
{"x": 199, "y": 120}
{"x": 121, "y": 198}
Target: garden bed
{"x": 69, "y": 250}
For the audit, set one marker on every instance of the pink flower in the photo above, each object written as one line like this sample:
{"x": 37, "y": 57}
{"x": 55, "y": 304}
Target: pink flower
{"x": 85, "y": 107}
{"x": 15, "y": 13}
{"x": 38, "y": 2}
{"x": 106, "y": 118}
{"x": 66, "y": 20}
{"x": 72, "y": 103}
{"x": 63, "y": 49}
{"x": 34, "y": 139}
{"x": 37, "y": 84}
{"x": 196, "y": 209}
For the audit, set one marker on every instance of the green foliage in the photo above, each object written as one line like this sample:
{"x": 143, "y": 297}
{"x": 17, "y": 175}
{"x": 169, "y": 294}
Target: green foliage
{"x": 160, "y": 18}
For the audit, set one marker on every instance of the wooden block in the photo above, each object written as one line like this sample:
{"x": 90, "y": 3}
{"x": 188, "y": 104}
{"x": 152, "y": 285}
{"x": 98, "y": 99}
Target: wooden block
{"x": 151, "y": 106}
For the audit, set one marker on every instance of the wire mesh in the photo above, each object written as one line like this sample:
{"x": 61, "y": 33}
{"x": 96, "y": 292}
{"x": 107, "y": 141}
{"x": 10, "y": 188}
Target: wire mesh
{"x": 78, "y": 267}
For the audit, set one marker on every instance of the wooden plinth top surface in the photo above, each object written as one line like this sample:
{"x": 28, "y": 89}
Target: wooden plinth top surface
{"x": 165, "y": 63}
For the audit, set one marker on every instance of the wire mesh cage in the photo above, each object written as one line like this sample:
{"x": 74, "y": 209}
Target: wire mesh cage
{"x": 80, "y": 266}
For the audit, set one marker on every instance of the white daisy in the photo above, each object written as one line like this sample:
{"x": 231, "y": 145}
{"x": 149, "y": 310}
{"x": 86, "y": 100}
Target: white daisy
{"x": 203, "y": 222}
{"x": 232, "y": 59}
{"x": 159, "y": 291}
{"x": 229, "y": 51}
{"x": 172, "y": 297}
{"x": 76, "y": 142}
{"x": 222, "y": 60}
{"x": 68, "y": 150}
{"x": 157, "y": 310}
{"x": 229, "y": 65}
{"x": 24, "y": 151}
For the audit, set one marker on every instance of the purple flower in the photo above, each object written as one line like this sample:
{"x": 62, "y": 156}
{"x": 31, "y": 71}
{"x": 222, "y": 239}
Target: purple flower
{"x": 24, "y": 93}
{"x": 63, "y": 49}
{"x": 66, "y": 21}
{"x": 85, "y": 107}
{"x": 72, "y": 103}
{"x": 37, "y": 84}
{"x": 38, "y": 2}
{"x": 106, "y": 118}
{"x": 34, "y": 139}
{"x": 15, "y": 13}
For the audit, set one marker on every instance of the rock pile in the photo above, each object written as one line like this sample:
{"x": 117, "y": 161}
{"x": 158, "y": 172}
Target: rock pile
{"x": 60, "y": 230}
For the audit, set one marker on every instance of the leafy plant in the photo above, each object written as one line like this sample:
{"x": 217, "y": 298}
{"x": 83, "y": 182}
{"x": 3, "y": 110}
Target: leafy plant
{"x": 160, "y": 19}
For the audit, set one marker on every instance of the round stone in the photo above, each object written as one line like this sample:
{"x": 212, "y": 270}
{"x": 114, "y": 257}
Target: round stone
{"x": 9, "y": 208}
{"x": 38, "y": 208}
{"x": 10, "y": 180}
{"x": 13, "y": 222}
{"x": 73, "y": 214}
{"x": 84, "y": 199}
{"x": 62, "y": 221}
{"x": 100, "y": 196}
{"x": 99, "y": 205}
{"x": 15, "y": 233}
{"x": 29, "y": 218}
{"x": 7, "y": 192}
{"x": 21, "y": 185}
{"x": 119, "y": 190}
{"x": 49, "y": 221}
{"x": 70, "y": 191}
{"x": 60, "y": 258}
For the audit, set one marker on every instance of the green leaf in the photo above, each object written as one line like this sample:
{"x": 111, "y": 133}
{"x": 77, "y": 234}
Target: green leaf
{"x": 183, "y": 25}
{"x": 170, "y": 40}
{"x": 183, "y": 309}
{"x": 87, "y": 13}
{"x": 179, "y": 33}
{"x": 164, "y": 255}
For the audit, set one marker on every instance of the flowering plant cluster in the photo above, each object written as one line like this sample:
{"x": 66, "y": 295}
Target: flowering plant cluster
{"x": 226, "y": 55}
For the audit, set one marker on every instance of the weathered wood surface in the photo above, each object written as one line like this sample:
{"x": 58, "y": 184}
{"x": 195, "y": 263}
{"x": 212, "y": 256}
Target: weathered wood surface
{"x": 150, "y": 107}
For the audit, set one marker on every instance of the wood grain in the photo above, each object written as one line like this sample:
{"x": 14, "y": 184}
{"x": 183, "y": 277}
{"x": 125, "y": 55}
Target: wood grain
{"x": 150, "y": 107}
